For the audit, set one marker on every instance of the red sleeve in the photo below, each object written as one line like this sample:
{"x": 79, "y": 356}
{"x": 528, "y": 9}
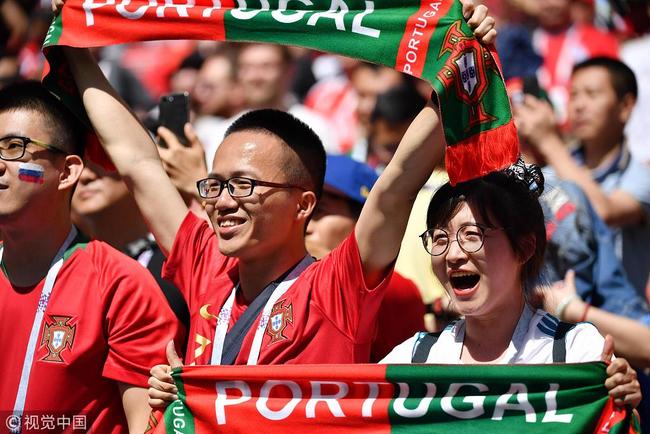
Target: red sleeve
{"x": 194, "y": 256}
{"x": 401, "y": 315}
{"x": 138, "y": 321}
{"x": 340, "y": 291}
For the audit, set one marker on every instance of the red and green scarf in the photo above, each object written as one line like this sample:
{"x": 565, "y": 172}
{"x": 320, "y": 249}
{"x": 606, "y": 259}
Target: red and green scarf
{"x": 382, "y": 399}
{"x": 424, "y": 38}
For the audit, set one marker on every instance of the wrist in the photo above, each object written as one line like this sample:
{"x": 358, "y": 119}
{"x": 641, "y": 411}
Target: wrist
{"x": 568, "y": 308}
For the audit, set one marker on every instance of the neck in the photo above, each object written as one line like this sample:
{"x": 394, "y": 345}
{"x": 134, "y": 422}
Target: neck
{"x": 101, "y": 226}
{"x": 28, "y": 252}
{"x": 487, "y": 338}
{"x": 255, "y": 275}
{"x": 600, "y": 151}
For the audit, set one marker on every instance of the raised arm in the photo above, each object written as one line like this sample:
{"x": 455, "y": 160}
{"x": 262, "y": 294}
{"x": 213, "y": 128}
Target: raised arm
{"x": 383, "y": 220}
{"x": 130, "y": 147}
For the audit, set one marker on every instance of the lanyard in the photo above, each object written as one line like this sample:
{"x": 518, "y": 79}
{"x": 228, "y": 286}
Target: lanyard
{"x": 43, "y": 301}
{"x": 226, "y": 310}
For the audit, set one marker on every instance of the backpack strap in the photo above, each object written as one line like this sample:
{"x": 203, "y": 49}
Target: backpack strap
{"x": 423, "y": 347}
{"x": 559, "y": 341}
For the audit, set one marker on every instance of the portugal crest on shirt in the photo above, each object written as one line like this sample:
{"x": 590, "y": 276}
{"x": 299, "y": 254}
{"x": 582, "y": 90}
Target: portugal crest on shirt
{"x": 57, "y": 335}
{"x": 280, "y": 316}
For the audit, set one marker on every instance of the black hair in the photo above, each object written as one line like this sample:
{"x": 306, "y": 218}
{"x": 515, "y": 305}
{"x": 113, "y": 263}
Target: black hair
{"x": 502, "y": 201}
{"x": 399, "y": 104}
{"x": 299, "y": 137}
{"x": 621, "y": 76}
{"x": 67, "y": 131}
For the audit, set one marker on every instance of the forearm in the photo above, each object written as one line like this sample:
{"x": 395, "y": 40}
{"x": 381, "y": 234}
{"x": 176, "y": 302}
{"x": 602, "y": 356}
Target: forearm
{"x": 130, "y": 147}
{"x": 121, "y": 134}
{"x": 136, "y": 407}
{"x": 631, "y": 338}
{"x": 383, "y": 220}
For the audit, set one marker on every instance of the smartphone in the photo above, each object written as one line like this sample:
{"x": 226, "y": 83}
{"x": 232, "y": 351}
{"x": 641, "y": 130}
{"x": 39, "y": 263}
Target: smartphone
{"x": 174, "y": 114}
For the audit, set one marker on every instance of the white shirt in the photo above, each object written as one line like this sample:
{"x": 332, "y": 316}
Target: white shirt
{"x": 532, "y": 342}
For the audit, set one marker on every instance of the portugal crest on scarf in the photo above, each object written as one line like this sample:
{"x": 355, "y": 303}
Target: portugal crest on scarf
{"x": 280, "y": 316}
{"x": 57, "y": 335}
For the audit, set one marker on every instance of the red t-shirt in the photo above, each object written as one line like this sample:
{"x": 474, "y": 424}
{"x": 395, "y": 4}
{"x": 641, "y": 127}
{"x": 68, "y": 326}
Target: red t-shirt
{"x": 401, "y": 315}
{"x": 332, "y": 312}
{"x": 106, "y": 321}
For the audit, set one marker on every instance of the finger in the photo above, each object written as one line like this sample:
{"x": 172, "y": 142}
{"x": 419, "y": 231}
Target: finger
{"x": 490, "y": 37}
{"x": 570, "y": 278}
{"x": 162, "y": 372}
{"x": 172, "y": 356}
{"x": 484, "y": 26}
{"x": 155, "y": 394}
{"x": 608, "y": 351}
{"x": 191, "y": 135}
{"x": 479, "y": 14}
{"x": 169, "y": 137}
{"x": 163, "y": 386}
{"x": 468, "y": 8}
{"x": 627, "y": 394}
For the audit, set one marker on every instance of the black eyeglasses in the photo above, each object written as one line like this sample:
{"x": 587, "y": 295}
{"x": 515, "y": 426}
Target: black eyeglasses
{"x": 238, "y": 186}
{"x": 470, "y": 238}
{"x": 13, "y": 147}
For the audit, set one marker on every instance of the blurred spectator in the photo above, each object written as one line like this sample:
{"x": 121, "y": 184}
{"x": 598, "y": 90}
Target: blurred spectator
{"x": 184, "y": 78}
{"x": 216, "y": 97}
{"x": 14, "y": 22}
{"x": 635, "y": 54}
{"x": 347, "y": 184}
{"x": 104, "y": 210}
{"x": 264, "y": 77}
{"x": 603, "y": 93}
{"x": 393, "y": 112}
{"x": 124, "y": 81}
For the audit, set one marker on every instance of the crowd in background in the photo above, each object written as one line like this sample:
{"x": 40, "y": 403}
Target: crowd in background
{"x": 598, "y": 225}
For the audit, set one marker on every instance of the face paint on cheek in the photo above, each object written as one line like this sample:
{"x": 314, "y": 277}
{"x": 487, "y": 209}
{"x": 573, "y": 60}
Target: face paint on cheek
{"x": 30, "y": 172}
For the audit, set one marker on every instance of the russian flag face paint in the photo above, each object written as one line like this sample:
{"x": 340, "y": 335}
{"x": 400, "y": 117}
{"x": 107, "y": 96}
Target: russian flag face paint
{"x": 30, "y": 172}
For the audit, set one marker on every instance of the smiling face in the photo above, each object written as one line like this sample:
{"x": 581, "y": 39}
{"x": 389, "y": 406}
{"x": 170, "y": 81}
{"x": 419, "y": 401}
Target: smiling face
{"x": 29, "y": 186}
{"x": 261, "y": 224}
{"x": 483, "y": 283}
{"x": 262, "y": 74}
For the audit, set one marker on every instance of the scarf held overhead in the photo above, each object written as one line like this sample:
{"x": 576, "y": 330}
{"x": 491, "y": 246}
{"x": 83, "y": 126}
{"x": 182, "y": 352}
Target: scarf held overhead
{"x": 424, "y": 38}
{"x": 382, "y": 399}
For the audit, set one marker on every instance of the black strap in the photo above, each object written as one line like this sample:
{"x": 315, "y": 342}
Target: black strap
{"x": 424, "y": 346}
{"x": 559, "y": 341}
{"x": 171, "y": 292}
{"x": 235, "y": 336}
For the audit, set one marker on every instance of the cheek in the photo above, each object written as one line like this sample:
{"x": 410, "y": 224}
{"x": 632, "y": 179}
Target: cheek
{"x": 439, "y": 268}
{"x": 31, "y": 173}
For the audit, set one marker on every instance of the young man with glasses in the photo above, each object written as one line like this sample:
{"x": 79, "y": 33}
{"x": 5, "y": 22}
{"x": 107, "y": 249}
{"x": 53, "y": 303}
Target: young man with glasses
{"x": 80, "y": 323}
{"x": 312, "y": 312}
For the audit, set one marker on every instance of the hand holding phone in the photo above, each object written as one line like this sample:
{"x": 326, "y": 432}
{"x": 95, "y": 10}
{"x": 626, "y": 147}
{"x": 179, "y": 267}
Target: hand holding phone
{"x": 174, "y": 114}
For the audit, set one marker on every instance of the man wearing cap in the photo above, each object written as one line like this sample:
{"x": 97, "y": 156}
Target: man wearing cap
{"x": 347, "y": 184}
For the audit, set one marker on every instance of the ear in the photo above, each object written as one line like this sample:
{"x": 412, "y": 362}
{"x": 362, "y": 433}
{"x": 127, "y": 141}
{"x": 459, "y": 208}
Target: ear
{"x": 528, "y": 245}
{"x": 72, "y": 168}
{"x": 306, "y": 205}
{"x": 626, "y": 105}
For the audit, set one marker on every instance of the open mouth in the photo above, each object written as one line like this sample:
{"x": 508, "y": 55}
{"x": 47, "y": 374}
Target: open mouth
{"x": 464, "y": 281}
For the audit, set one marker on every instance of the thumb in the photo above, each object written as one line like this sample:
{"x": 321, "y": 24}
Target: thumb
{"x": 172, "y": 357}
{"x": 608, "y": 350}
{"x": 570, "y": 278}
{"x": 169, "y": 137}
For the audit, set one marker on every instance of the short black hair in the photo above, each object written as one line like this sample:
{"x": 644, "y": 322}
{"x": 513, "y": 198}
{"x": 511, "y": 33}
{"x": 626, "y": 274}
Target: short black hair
{"x": 501, "y": 202}
{"x": 68, "y": 133}
{"x": 621, "y": 76}
{"x": 399, "y": 104}
{"x": 298, "y": 136}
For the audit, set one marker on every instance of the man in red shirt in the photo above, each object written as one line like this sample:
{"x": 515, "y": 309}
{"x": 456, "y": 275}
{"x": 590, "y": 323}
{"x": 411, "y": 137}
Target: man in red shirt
{"x": 265, "y": 182}
{"x": 347, "y": 185}
{"x": 80, "y": 323}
